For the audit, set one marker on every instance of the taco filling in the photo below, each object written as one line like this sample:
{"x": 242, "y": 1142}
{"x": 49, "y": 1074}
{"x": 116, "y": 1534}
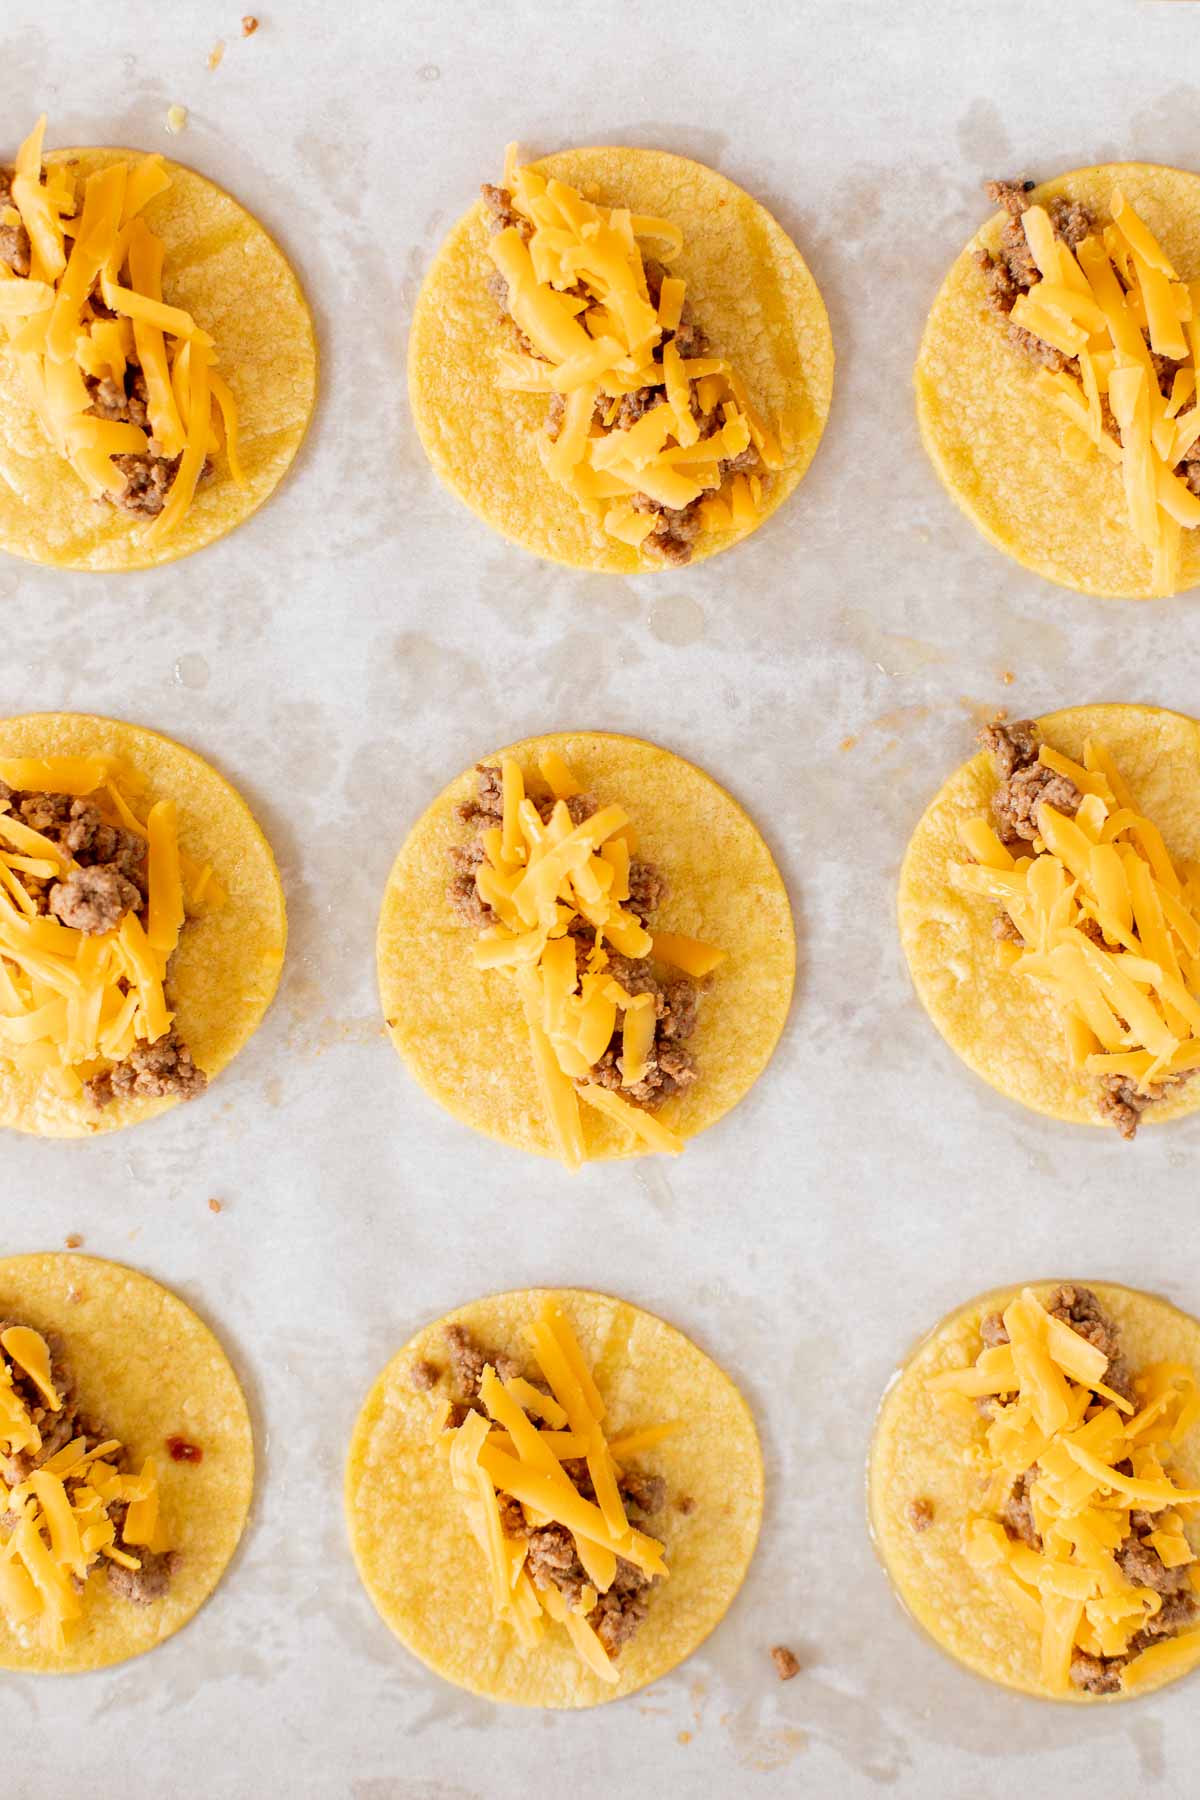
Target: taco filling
{"x": 560, "y": 899}
{"x": 69, "y": 1499}
{"x": 1095, "y": 912}
{"x": 93, "y": 904}
{"x": 1081, "y": 1527}
{"x": 1114, "y": 330}
{"x": 650, "y": 431}
{"x": 122, "y": 382}
{"x": 551, "y": 1501}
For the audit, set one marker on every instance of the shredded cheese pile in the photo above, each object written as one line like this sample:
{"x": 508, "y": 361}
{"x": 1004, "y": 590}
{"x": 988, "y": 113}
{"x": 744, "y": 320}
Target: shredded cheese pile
{"x": 57, "y": 337}
{"x": 62, "y": 1525}
{"x": 1082, "y": 309}
{"x": 507, "y": 1453}
{"x": 1128, "y": 1006}
{"x": 73, "y": 1003}
{"x": 577, "y": 290}
{"x": 1054, "y": 1410}
{"x": 538, "y": 879}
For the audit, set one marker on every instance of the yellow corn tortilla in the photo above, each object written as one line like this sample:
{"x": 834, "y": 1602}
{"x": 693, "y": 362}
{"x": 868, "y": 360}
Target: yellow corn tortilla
{"x": 426, "y": 1575}
{"x": 994, "y": 439}
{"x": 146, "y": 1369}
{"x": 919, "y": 1452}
{"x": 1006, "y": 1029}
{"x": 224, "y": 268}
{"x": 227, "y": 967}
{"x": 748, "y": 287}
{"x": 461, "y": 1030}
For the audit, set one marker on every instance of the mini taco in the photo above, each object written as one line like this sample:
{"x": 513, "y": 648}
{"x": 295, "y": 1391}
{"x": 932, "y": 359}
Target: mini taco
{"x": 1033, "y": 1489}
{"x": 638, "y": 961}
{"x": 1056, "y": 382}
{"x": 1049, "y": 909}
{"x": 142, "y": 924}
{"x": 157, "y": 359}
{"x": 553, "y": 1497}
{"x": 611, "y": 388}
{"x": 126, "y": 1463}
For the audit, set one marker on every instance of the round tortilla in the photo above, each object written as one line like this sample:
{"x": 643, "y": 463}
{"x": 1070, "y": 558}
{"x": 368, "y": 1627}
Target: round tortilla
{"x": 1007, "y": 1030}
{"x": 424, "y": 1571}
{"x": 146, "y": 1369}
{"x": 230, "y": 274}
{"x": 227, "y": 967}
{"x": 749, "y": 289}
{"x": 920, "y": 1453}
{"x": 994, "y": 439}
{"x": 461, "y": 1030}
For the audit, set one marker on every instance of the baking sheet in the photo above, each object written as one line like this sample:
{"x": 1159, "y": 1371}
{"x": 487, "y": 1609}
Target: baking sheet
{"x": 362, "y": 639}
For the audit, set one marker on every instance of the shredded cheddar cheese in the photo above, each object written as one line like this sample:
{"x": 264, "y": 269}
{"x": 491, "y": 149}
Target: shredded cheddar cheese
{"x": 552, "y": 885}
{"x": 73, "y": 1003}
{"x": 1093, "y": 304}
{"x": 1110, "y": 924}
{"x": 1052, "y": 1409}
{"x": 58, "y": 1526}
{"x": 506, "y": 1453}
{"x": 59, "y": 329}
{"x": 577, "y": 291}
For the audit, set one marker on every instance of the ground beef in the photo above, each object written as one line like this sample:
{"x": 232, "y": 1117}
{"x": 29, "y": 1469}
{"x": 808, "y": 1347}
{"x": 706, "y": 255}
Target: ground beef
{"x": 633, "y": 406}
{"x": 147, "y": 1583}
{"x": 919, "y": 1514}
{"x": 618, "y": 1613}
{"x": 552, "y": 1562}
{"x": 1011, "y": 746}
{"x": 498, "y": 201}
{"x": 1079, "y": 1308}
{"x": 648, "y": 1493}
{"x": 579, "y": 807}
{"x": 1017, "y": 800}
{"x": 95, "y": 899}
{"x": 424, "y": 1374}
{"x": 1122, "y": 1103}
{"x": 787, "y": 1663}
{"x": 465, "y": 902}
{"x": 512, "y": 1517}
{"x": 1004, "y": 929}
{"x": 127, "y": 402}
{"x": 489, "y": 805}
{"x": 1017, "y": 1513}
{"x": 57, "y": 1428}
{"x": 648, "y": 887}
{"x": 151, "y": 1071}
{"x": 556, "y": 411}
{"x": 1097, "y": 1674}
{"x": 468, "y": 1360}
{"x": 675, "y": 532}
{"x": 14, "y": 239}
{"x": 148, "y": 482}
{"x": 992, "y": 1330}
{"x": 1141, "y": 1564}
{"x": 1013, "y": 271}
{"x": 79, "y": 829}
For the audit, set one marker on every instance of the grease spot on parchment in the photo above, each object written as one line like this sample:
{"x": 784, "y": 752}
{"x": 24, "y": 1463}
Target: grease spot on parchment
{"x": 191, "y": 671}
{"x": 983, "y": 139}
{"x": 677, "y": 620}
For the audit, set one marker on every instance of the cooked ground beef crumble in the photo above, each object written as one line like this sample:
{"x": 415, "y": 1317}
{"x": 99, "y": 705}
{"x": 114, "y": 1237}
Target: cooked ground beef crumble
{"x": 1139, "y": 1561}
{"x": 671, "y": 1067}
{"x": 676, "y": 529}
{"x": 142, "y": 1585}
{"x": 108, "y": 882}
{"x": 1013, "y": 271}
{"x": 551, "y": 1558}
{"x": 1024, "y": 784}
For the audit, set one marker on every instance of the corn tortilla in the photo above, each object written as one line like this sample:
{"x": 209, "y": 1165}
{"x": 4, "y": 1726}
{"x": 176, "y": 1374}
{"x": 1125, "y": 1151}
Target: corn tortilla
{"x": 461, "y": 1030}
{"x": 424, "y": 1572}
{"x": 749, "y": 288}
{"x": 919, "y": 1452}
{"x": 227, "y": 967}
{"x": 994, "y": 439}
{"x": 1005, "y": 1029}
{"x": 224, "y": 268}
{"x": 146, "y": 1368}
